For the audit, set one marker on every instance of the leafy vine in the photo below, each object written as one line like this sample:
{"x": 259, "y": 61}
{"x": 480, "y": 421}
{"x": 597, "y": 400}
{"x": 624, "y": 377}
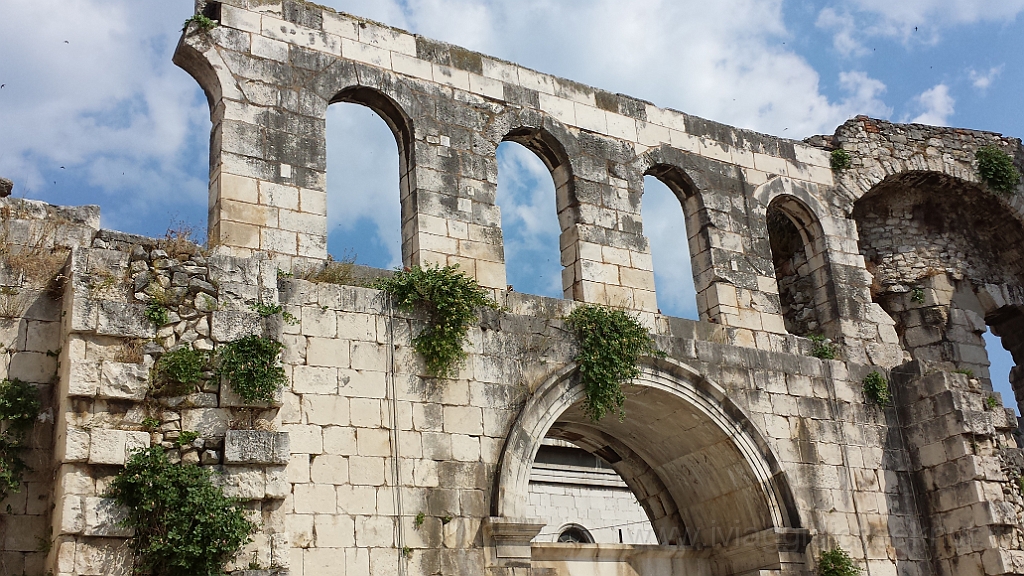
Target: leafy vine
{"x": 611, "y": 342}
{"x": 450, "y": 299}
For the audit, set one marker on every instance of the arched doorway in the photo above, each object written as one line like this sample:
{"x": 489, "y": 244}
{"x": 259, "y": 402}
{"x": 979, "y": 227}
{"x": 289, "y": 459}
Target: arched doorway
{"x": 707, "y": 481}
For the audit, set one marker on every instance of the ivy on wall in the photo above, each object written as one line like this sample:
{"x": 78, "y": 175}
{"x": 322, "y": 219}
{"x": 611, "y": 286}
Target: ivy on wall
{"x": 19, "y": 408}
{"x": 996, "y": 169}
{"x": 611, "y": 342}
{"x": 450, "y": 298}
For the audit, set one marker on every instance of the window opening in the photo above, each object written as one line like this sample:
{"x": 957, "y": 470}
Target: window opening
{"x": 575, "y": 535}
{"x": 529, "y": 222}
{"x": 665, "y": 228}
{"x": 364, "y": 214}
{"x": 792, "y": 273}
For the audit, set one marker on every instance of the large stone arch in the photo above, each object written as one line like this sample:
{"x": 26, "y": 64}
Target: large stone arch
{"x": 966, "y": 271}
{"x": 709, "y": 479}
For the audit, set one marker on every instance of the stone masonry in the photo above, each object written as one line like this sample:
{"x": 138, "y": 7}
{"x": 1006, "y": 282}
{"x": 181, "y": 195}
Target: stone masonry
{"x": 747, "y": 454}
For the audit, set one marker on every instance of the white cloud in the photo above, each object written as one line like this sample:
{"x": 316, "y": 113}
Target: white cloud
{"x": 89, "y": 86}
{"x": 937, "y": 105}
{"x": 845, "y": 27}
{"x": 982, "y": 80}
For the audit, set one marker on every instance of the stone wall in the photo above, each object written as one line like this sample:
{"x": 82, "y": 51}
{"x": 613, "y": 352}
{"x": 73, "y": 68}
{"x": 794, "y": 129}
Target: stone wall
{"x": 34, "y": 239}
{"x": 747, "y": 454}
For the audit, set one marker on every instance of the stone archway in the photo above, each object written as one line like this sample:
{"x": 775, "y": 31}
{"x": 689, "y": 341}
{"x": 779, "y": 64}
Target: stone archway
{"x": 700, "y": 469}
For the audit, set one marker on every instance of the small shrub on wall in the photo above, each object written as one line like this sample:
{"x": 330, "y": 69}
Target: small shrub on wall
{"x": 996, "y": 169}
{"x": 184, "y": 525}
{"x": 836, "y": 562}
{"x": 252, "y": 366}
{"x": 450, "y": 299}
{"x": 611, "y": 343}
{"x": 19, "y": 408}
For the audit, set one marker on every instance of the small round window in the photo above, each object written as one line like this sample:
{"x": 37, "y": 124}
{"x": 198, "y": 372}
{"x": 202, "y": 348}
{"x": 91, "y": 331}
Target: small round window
{"x": 575, "y": 534}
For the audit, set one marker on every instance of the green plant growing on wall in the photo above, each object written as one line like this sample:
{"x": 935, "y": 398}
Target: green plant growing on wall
{"x": 840, "y": 159}
{"x": 996, "y": 169}
{"x": 611, "y": 343}
{"x": 917, "y": 295}
{"x": 19, "y": 408}
{"x": 179, "y": 371}
{"x": 186, "y": 437}
{"x": 991, "y": 402}
{"x": 822, "y": 347}
{"x": 836, "y": 562}
{"x": 965, "y": 371}
{"x": 184, "y": 525}
{"x": 268, "y": 310}
{"x": 202, "y": 22}
{"x": 450, "y": 298}
{"x": 420, "y": 519}
{"x": 156, "y": 313}
{"x": 876, "y": 388}
{"x": 252, "y": 366}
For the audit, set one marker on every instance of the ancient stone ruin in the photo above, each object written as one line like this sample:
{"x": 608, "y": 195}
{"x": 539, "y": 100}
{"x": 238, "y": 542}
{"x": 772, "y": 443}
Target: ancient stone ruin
{"x": 750, "y": 448}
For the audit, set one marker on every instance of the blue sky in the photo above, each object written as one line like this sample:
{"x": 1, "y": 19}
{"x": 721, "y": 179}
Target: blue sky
{"x": 92, "y": 110}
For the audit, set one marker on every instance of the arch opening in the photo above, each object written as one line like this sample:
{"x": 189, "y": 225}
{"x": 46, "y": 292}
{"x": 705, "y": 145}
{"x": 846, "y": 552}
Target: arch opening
{"x": 673, "y": 241}
{"x": 529, "y": 220}
{"x": 947, "y": 260}
{"x": 700, "y": 472}
{"x": 664, "y": 225}
{"x": 798, "y": 257}
{"x": 366, "y": 195}
{"x": 525, "y": 212}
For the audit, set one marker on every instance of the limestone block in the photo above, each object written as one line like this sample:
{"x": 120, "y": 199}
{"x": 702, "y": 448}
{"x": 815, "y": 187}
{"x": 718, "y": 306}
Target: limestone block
{"x": 241, "y": 482}
{"x": 32, "y": 367}
{"x": 373, "y": 441}
{"x": 366, "y": 471}
{"x": 325, "y": 410}
{"x": 102, "y": 516}
{"x": 123, "y": 381}
{"x": 76, "y": 445}
{"x": 41, "y": 336}
{"x": 72, "y": 516}
{"x": 228, "y": 325}
{"x": 305, "y": 439}
{"x": 315, "y": 380}
{"x": 114, "y": 446}
{"x": 278, "y": 486}
{"x": 103, "y": 557}
{"x": 334, "y": 531}
{"x": 328, "y": 352}
{"x": 256, "y": 447}
{"x": 83, "y": 378}
{"x": 315, "y": 499}
{"x": 463, "y": 420}
{"x": 209, "y": 422}
{"x": 124, "y": 320}
{"x": 329, "y": 469}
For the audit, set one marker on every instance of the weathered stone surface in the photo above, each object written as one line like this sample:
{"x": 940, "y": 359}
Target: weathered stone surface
{"x": 256, "y": 447}
{"x": 123, "y": 381}
{"x": 6, "y": 186}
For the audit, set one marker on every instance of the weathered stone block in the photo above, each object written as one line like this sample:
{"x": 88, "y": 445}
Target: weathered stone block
{"x": 256, "y": 447}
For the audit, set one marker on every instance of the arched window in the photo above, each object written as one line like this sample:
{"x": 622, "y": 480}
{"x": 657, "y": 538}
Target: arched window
{"x": 369, "y": 141}
{"x": 575, "y": 534}
{"x": 665, "y": 230}
{"x": 797, "y": 250}
{"x": 529, "y": 222}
